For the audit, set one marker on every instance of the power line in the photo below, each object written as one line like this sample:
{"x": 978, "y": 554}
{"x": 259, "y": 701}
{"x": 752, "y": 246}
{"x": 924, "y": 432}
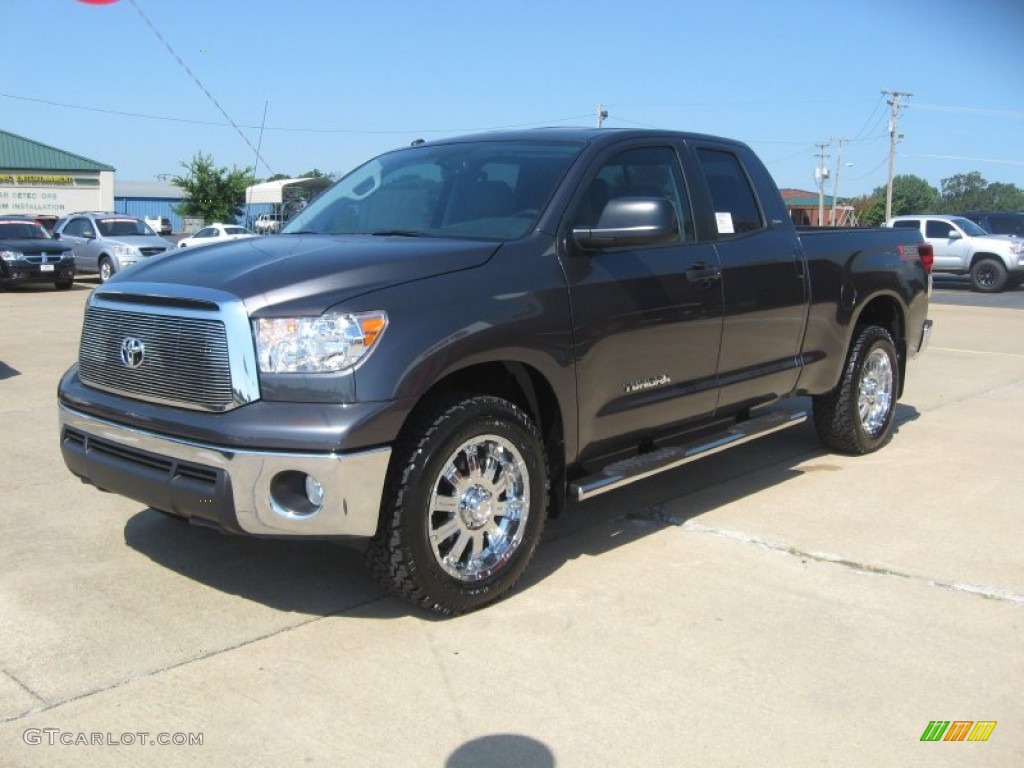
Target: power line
{"x": 294, "y": 129}
{"x": 197, "y": 81}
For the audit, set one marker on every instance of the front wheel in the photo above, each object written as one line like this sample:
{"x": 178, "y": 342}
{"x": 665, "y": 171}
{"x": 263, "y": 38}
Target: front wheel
{"x": 988, "y": 276}
{"x": 106, "y": 269}
{"x": 857, "y": 416}
{"x": 464, "y": 506}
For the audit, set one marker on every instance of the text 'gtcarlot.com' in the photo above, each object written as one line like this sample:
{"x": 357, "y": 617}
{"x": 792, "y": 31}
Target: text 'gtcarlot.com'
{"x": 55, "y": 736}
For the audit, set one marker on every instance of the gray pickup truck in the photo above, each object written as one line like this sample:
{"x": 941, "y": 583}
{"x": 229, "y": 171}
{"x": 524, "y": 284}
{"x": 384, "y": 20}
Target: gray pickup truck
{"x": 460, "y": 338}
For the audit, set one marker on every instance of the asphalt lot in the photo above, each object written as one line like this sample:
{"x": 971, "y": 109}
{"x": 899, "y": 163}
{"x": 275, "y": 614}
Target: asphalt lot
{"x": 775, "y": 605}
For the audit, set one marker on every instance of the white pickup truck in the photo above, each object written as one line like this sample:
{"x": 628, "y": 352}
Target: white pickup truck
{"x": 961, "y": 247}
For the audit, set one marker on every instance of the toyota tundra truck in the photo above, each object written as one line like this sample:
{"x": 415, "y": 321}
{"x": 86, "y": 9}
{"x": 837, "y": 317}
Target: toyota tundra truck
{"x": 460, "y": 338}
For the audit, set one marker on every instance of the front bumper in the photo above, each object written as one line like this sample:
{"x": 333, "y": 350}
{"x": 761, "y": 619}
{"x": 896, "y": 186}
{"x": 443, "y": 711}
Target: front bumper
{"x": 259, "y": 493}
{"x": 30, "y": 272}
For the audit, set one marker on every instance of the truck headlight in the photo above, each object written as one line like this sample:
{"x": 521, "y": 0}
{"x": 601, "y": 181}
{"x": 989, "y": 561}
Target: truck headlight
{"x": 331, "y": 342}
{"x": 11, "y": 255}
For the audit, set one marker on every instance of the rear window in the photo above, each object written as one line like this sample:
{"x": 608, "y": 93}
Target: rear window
{"x": 907, "y": 224}
{"x": 736, "y": 208}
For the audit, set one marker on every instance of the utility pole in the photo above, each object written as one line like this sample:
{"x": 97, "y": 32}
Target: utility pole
{"x": 820, "y": 175}
{"x": 895, "y": 102}
{"x": 835, "y": 181}
{"x": 602, "y": 114}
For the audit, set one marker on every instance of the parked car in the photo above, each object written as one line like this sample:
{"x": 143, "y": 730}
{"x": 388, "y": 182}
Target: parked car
{"x": 29, "y": 254}
{"x": 268, "y": 223}
{"x": 961, "y": 247}
{"x": 998, "y": 222}
{"x": 216, "y": 233}
{"x": 159, "y": 224}
{"x": 46, "y": 220}
{"x": 106, "y": 243}
{"x": 460, "y": 337}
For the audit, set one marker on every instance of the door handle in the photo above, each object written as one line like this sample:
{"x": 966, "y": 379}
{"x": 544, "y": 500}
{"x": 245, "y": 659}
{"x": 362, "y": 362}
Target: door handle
{"x": 702, "y": 273}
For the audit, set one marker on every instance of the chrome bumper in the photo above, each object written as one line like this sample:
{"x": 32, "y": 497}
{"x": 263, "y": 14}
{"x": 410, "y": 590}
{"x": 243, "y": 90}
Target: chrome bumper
{"x": 266, "y": 488}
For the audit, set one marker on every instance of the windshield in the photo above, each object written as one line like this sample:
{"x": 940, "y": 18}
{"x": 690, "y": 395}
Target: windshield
{"x": 492, "y": 190}
{"x": 123, "y": 227}
{"x": 22, "y": 230}
{"x": 969, "y": 227}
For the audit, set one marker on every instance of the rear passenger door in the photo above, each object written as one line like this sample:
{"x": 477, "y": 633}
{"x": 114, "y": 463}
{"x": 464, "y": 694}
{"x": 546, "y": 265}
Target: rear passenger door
{"x": 764, "y": 280}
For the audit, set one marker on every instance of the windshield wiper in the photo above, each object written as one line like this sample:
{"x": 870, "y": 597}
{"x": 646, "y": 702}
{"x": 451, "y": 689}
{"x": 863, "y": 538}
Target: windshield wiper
{"x": 397, "y": 233}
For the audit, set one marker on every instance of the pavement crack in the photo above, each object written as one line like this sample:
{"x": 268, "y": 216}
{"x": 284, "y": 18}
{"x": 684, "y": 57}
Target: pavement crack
{"x": 987, "y": 592}
{"x": 47, "y": 706}
{"x": 7, "y": 673}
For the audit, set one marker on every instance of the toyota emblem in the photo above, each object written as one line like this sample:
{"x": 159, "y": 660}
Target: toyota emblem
{"x": 133, "y": 352}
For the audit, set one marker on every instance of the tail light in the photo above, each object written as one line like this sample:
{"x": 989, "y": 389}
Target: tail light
{"x": 922, "y": 252}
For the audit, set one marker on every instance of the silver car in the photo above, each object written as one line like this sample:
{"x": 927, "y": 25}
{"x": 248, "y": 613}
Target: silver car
{"x": 106, "y": 243}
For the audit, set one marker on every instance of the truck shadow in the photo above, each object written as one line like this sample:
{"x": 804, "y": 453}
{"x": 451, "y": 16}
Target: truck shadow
{"x": 323, "y": 578}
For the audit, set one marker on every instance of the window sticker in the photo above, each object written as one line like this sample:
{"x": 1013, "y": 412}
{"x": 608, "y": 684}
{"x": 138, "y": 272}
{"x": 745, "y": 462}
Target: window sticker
{"x": 724, "y": 221}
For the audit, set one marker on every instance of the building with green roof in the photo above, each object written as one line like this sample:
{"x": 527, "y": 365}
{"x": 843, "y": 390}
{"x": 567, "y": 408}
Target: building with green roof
{"x": 38, "y": 179}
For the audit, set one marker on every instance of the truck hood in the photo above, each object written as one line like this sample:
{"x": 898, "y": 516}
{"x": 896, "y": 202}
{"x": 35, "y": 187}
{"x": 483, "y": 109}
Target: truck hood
{"x": 284, "y": 275}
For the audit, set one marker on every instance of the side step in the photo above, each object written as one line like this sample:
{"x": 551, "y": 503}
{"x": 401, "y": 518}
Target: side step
{"x": 635, "y": 468}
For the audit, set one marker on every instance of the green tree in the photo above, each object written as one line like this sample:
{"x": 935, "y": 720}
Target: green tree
{"x": 964, "y": 192}
{"x": 910, "y": 194}
{"x": 211, "y": 193}
{"x": 1005, "y": 197}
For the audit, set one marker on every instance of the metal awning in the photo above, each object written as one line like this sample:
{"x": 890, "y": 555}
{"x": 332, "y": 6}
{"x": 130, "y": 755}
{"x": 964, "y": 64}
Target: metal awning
{"x": 269, "y": 191}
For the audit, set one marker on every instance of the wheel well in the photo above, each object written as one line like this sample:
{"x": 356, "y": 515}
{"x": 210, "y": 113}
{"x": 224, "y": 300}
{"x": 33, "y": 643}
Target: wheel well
{"x": 525, "y": 387}
{"x": 886, "y": 312}
{"x": 982, "y": 256}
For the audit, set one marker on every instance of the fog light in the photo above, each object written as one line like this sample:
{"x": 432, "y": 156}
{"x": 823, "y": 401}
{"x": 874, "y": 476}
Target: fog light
{"x": 314, "y": 491}
{"x": 295, "y": 495}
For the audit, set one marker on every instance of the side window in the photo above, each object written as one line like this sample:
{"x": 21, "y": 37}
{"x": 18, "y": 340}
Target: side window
{"x": 906, "y": 224}
{"x": 736, "y": 208}
{"x": 207, "y": 232}
{"x": 938, "y": 229}
{"x": 646, "y": 172}
{"x": 76, "y": 227}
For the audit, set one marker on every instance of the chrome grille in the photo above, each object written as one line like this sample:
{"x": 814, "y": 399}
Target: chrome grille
{"x": 185, "y": 361}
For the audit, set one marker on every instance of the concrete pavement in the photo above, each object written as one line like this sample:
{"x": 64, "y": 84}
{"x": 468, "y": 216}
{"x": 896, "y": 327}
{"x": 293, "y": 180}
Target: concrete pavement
{"x": 775, "y": 605}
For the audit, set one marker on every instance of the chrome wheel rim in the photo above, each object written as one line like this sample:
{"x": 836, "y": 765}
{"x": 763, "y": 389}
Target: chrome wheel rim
{"x": 875, "y": 394}
{"x": 106, "y": 270}
{"x": 479, "y": 506}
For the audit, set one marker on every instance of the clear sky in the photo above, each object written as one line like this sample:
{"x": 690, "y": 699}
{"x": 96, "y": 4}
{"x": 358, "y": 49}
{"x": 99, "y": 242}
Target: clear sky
{"x": 343, "y": 80}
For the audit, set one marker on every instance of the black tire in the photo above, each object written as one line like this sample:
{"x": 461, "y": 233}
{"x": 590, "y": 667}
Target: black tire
{"x": 106, "y": 269}
{"x": 472, "y": 471}
{"x": 857, "y": 416}
{"x": 64, "y": 285}
{"x": 988, "y": 276}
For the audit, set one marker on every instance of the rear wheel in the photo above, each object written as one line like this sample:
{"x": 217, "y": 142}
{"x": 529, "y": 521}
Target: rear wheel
{"x": 988, "y": 275}
{"x": 464, "y": 506}
{"x": 857, "y": 416}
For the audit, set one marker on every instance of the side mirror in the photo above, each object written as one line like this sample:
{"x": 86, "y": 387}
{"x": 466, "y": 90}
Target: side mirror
{"x": 954, "y": 234}
{"x": 630, "y": 221}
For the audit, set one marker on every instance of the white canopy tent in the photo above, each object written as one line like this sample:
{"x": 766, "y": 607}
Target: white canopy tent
{"x": 269, "y": 191}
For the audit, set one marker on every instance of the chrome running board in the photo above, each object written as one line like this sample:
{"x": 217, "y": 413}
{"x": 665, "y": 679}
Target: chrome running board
{"x": 626, "y": 471}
